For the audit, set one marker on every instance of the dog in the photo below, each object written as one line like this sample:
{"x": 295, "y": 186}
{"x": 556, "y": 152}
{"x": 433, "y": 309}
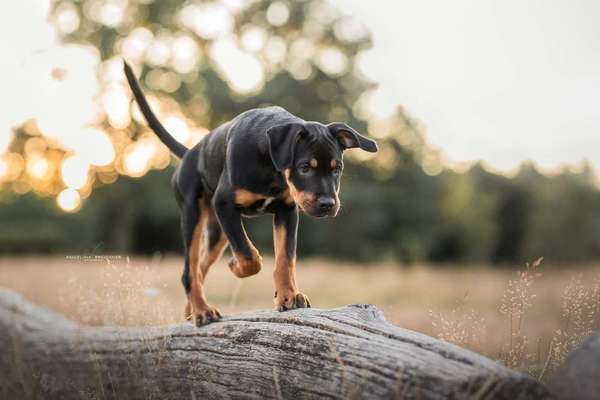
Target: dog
{"x": 264, "y": 161}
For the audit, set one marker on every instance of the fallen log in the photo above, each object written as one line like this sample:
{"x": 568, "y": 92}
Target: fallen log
{"x": 348, "y": 352}
{"x": 579, "y": 376}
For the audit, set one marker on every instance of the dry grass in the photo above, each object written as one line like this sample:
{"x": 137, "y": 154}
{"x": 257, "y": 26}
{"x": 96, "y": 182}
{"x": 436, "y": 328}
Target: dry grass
{"x": 529, "y": 320}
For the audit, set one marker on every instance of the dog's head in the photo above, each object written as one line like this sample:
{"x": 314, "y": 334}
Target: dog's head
{"x": 309, "y": 154}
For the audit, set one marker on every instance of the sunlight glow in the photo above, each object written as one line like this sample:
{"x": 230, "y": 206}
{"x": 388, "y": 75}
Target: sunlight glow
{"x": 159, "y": 51}
{"x": 178, "y": 128}
{"x": 253, "y": 38}
{"x": 69, "y": 200}
{"x": 15, "y": 165}
{"x": 135, "y": 44}
{"x": 278, "y": 13}
{"x": 302, "y": 49}
{"x": 67, "y": 18}
{"x": 185, "y": 54}
{"x": 378, "y": 103}
{"x": 74, "y": 171}
{"x": 3, "y": 168}
{"x": 62, "y": 107}
{"x": 349, "y": 30}
{"x": 137, "y": 157}
{"x": 275, "y": 49}
{"x": 207, "y": 20}
{"x": 37, "y": 166}
{"x": 115, "y": 101}
{"x": 5, "y": 139}
{"x": 110, "y": 13}
{"x": 95, "y": 147}
{"x": 111, "y": 71}
{"x": 332, "y": 61}
{"x": 243, "y": 71}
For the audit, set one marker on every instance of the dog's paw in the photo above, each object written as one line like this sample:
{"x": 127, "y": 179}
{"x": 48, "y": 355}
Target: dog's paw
{"x": 288, "y": 300}
{"x": 243, "y": 267}
{"x": 205, "y": 315}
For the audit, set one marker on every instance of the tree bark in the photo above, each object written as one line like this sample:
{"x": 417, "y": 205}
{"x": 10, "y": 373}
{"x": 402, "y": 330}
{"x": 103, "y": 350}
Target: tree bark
{"x": 349, "y": 352}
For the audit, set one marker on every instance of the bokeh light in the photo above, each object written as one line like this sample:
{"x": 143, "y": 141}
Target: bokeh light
{"x": 66, "y": 18}
{"x": 77, "y": 122}
{"x": 15, "y": 165}
{"x": 253, "y": 38}
{"x": 278, "y": 13}
{"x": 137, "y": 157}
{"x": 243, "y": 71}
{"x": 177, "y": 128}
{"x": 74, "y": 172}
{"x": 95, "y": 147}
{"x": 3, "y": 168}
{"x": 135, "y": 44}
{"x": 207, "y": 20}
{"x": 185, "y": 54}
{"x": 115, "y": 101}
{"x": 37, "y": 166}
{"x": 332, "y": 61}
{"x": 69, "y": 200}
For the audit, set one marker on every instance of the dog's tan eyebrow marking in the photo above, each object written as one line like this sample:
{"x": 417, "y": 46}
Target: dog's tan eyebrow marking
{"x": 246, "y": 198}
{"x": 313, "y": 163}
{"x": 333, "y": 164}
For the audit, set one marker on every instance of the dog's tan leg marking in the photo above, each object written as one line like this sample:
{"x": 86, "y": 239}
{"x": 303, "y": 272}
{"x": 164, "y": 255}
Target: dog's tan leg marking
{"x": 201, "y": 258}
{"x": 287, "y": 295}
{"x": 242, "y": 266}
{"x": 245, "y": 198}
{"x": 197, "y": 299}
{"x": 211, "y": 254}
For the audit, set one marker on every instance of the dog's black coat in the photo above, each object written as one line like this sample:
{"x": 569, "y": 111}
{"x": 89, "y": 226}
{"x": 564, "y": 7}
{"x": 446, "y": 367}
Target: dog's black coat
{"x": 263, "y": 161}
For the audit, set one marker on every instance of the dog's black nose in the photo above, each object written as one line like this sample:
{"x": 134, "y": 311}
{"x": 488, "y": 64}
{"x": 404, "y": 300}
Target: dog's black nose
{"x": 325, "y": 203}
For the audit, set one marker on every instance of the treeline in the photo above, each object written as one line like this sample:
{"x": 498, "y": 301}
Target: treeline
{"x": 407, "y": 216}
{"x": 400, "y": 205}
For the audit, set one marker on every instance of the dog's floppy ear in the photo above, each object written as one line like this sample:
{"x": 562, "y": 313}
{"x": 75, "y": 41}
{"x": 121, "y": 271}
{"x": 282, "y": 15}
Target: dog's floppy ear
{"x": 282, "y": 141}
{"x": 349, "y": 138}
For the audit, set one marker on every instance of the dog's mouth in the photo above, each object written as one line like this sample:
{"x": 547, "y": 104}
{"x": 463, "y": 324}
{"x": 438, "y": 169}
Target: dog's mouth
{"x": 314, "y": 211}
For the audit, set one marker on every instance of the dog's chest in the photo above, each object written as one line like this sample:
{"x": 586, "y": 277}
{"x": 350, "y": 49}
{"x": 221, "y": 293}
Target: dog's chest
{"x": 251, "y": 202}
{"x": 258, "y": 207}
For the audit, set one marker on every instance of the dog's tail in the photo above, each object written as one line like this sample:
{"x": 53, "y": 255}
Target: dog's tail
{"x": 177, "y": 148}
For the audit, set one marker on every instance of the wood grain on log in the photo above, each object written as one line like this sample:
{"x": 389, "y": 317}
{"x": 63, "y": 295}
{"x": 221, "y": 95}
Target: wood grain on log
{"x": 349, "y": 352}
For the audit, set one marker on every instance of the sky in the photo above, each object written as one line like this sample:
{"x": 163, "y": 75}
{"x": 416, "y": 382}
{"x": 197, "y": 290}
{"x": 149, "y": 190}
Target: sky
{"x": 502, "y": 81}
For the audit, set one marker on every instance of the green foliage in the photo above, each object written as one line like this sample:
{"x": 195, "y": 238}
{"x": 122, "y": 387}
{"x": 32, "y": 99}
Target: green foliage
{"x": 395, "y": 206}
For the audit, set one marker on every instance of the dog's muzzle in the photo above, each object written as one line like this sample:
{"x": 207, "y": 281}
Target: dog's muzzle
{"x": 324, "y": 206}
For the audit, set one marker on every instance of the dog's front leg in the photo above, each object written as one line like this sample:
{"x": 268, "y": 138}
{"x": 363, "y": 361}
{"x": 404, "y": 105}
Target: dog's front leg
{"x": 246, "y": 261}
{"x": 285, "y": 230}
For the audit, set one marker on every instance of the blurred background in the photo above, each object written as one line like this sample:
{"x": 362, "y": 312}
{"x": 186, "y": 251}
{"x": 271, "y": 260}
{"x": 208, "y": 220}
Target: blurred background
{"x": 486, "y": 115}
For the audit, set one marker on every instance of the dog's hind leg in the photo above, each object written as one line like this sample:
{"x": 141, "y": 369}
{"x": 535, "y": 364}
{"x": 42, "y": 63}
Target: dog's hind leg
{"x": 197, "y": 228}
{"x": 202, "y": 249}
{"x": 214, "y": 242}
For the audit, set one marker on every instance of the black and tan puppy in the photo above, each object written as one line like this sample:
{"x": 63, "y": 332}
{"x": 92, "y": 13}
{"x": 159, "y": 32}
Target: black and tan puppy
{"x": 262, "y": 161}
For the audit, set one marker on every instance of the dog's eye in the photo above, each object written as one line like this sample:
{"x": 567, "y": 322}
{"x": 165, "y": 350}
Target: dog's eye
{"x": 337, "y": 169}
{"x": 304, "y": 168}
